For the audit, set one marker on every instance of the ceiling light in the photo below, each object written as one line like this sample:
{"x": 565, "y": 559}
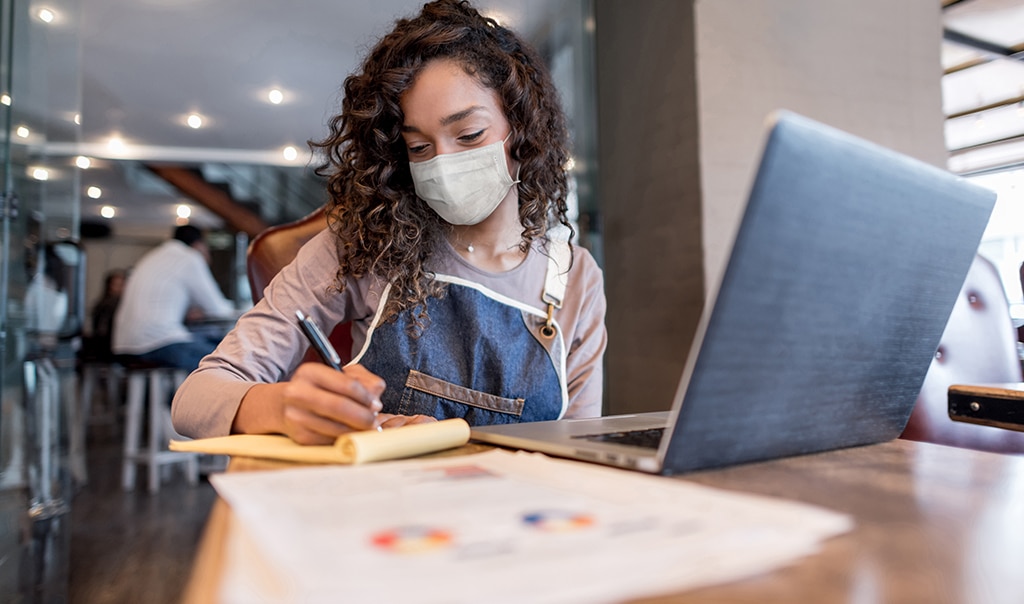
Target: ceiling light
{"x": 46, "y": 15}
{"x": 116, "y": 144}
{"x": 23, "y": 132}
{"x": 94, "y": 192}
{"x": 275, "y": 96}
{"x": 194, "y": 120}
{"x": 5, "y": 99}
{"x": 40, "y": 173}
{"x": 83, "y": 162}
{"x": 183, "y": 211}
{"x": 108, "y": 211}
{"x": 77, "y": 119}
{"x": 290, "y": 153}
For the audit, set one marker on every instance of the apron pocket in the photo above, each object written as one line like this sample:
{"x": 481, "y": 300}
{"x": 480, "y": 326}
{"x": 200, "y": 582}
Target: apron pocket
{"x": 421, "y": 382}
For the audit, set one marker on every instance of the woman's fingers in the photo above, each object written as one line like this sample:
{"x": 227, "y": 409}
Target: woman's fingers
{"x": 307, "y": 428}
{"x": 355, "y": 383}
{"x": 321, "y": 403}
{"x": 373, "y": 383}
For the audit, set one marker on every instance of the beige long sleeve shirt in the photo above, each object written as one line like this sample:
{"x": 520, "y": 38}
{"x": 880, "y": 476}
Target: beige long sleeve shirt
{"x": 267, "y": 345}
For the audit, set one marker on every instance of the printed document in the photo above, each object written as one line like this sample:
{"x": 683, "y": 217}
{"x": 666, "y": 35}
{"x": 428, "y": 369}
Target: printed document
{"x": 497, "y": 526}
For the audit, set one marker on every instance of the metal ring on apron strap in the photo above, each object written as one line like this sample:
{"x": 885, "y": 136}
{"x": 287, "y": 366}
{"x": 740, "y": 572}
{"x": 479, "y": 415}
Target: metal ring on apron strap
{"x": 548, "y": 329}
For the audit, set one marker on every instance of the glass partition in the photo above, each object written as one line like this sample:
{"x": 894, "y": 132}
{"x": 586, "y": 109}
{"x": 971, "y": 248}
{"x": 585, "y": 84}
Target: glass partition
{"x": 40, "y": 266}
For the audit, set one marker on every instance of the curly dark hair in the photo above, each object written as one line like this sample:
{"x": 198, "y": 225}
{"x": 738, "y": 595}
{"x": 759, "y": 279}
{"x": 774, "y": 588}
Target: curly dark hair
{"x": 382, "y": 228}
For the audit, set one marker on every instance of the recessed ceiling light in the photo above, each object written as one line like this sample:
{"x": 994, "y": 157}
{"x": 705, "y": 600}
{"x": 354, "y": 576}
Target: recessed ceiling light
{"x": 183, "y": 211}
{"x": 23, "y": 132}
{"x": 116, "y": 143}
{"x": 290, "y": 153}
{"x": 275, "y": 96}
{"x": 40, "y": 173}
{"x": 46, "y": 15}
{"x": 94, "y": 192}
{"x": 108, "y": 211}
{"x": 194, "y": 120}
{"x": 77, "y": 119}
{"x": 5, "y": 99}
{"x": 83, "y": 162}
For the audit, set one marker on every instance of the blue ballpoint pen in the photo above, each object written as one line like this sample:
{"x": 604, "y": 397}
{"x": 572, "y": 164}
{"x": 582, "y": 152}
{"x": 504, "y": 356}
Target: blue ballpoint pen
{"x": 320, "y": 342}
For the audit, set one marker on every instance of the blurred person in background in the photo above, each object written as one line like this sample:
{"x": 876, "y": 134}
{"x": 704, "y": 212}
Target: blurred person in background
{"x": 46, "y": 298}
{"x": 169, "y": 284}
{"x": 97, "y": 346}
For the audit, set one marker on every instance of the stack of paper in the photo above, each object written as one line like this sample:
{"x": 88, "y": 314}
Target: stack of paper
{"x": 497, "y": 527}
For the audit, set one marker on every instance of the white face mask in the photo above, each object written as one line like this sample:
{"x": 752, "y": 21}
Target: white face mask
{"x": 464, "y": 187}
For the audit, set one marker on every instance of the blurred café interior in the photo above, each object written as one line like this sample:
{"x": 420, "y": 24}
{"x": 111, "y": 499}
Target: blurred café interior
{"x": 121, "y": 119}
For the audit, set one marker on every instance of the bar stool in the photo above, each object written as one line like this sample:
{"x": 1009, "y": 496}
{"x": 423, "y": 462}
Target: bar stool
{"x": 160, "y": 382}
{"x": 92, "y": 399}
{"x": 105, "y": 378}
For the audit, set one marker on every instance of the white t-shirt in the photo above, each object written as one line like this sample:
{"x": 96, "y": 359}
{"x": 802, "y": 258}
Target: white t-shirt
{"x": 46, "y": 306}
{"x": 160, "y": 289}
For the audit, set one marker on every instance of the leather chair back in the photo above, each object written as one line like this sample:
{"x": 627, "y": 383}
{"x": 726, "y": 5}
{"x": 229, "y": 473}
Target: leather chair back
{"x": 979, "y": 346}
{"x": 273, "y": 249}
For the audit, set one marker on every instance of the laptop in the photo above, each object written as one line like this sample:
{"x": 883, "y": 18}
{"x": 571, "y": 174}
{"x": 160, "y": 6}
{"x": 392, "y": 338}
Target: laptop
{"x": 842, "y": 275}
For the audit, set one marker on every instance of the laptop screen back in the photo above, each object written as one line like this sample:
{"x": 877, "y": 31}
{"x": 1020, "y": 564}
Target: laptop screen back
{"x": 842, "y": 276}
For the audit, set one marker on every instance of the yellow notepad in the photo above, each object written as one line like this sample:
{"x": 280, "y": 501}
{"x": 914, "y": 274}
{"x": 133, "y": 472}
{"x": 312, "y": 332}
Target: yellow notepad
{"x": 353, "y": 448}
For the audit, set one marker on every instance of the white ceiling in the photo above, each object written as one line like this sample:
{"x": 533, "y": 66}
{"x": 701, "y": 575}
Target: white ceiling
{"x": 990, "y": 80}
{"x": 146, "y": 64}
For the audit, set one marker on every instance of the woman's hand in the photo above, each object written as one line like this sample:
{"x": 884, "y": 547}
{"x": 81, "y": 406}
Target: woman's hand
{"x": 313, "y": 408}
{"x": 317, "y": 405}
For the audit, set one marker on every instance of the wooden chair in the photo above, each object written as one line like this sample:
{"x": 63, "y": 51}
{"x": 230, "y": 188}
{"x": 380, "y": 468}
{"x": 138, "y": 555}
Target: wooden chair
{"x": 979, "y": 346}
{"x": 273, "y": 249}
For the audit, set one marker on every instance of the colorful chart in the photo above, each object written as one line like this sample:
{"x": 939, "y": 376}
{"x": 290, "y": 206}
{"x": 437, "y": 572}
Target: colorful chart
{"x": 558, "y": 521}
{"x": 467, "y": 471}
{"x": 412, "y": 539}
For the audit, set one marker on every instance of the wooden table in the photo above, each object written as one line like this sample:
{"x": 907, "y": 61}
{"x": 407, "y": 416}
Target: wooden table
{"x": 933, "y": 524}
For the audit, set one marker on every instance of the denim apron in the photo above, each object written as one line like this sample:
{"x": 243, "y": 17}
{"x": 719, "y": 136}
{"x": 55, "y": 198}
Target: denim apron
{"x": 483, "y": 357}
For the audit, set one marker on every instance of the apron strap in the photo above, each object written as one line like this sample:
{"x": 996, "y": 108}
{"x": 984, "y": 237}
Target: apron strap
{"x": 559, "y": 257}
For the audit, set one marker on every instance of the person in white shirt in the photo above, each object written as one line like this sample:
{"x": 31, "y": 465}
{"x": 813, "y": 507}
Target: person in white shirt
{"x": 165, "y": 284}
{"x": 46, "y": 301}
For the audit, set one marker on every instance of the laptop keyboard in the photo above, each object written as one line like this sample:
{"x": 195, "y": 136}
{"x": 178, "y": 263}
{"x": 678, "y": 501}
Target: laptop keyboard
{"x": 649, "y": 439}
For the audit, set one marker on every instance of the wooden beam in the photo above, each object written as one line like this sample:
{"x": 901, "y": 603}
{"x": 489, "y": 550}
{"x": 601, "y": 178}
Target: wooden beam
{"x": 195, "y": 187}
{"x": 998, "y": 104}
{"x": 990, "y": 48}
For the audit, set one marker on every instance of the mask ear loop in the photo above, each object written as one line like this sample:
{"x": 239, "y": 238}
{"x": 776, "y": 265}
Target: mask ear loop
{"x": 519, "y": 164}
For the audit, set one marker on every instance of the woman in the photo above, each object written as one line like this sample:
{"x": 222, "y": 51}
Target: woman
{"x": 97, "y": 346}
{"x": 445, "y": 173}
